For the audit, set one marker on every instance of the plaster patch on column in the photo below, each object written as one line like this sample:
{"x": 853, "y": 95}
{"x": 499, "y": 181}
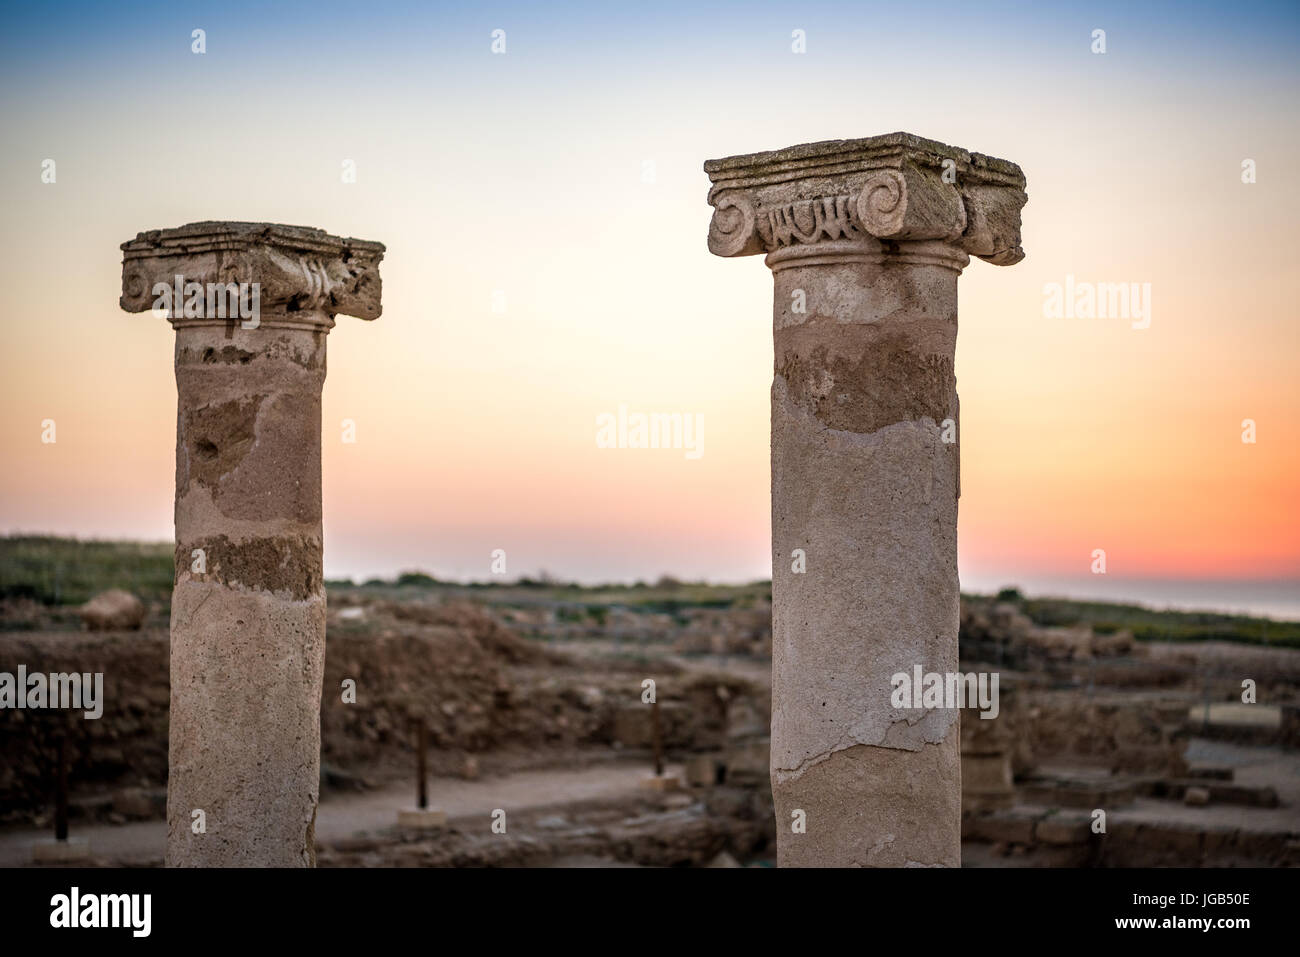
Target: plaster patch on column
{"x": 838, "y": 439}
{"x": 258, "y": 456}
{"x": 286, "y": 566}
{"x": 889, "y": 381}
{"x": 218, "y": 436}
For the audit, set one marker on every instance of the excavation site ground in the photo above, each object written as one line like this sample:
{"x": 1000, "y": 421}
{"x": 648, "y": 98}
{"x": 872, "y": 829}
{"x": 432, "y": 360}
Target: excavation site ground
{"x": 540, "y": 736}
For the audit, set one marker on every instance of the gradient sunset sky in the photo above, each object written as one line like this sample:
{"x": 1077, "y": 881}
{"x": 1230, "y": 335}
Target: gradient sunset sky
{"x": 526, "y": 173}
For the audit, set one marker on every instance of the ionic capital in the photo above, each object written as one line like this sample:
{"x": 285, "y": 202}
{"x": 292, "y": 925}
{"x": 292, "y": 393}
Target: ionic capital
{"x": 896, "y": 197}
{"x": 305, "y": 276}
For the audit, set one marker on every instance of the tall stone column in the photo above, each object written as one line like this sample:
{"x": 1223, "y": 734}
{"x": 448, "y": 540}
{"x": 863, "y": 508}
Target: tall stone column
{"x": 865, "y": 240}
{"x": 248, "y": 608}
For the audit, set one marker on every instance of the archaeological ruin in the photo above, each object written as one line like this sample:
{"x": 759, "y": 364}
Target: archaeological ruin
{"x": 248, "y": 609}
{"x": 865, "y": 239}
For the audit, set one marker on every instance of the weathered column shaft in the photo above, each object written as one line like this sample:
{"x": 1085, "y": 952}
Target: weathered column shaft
{"x": 866, "y": 240}
{"x": 862, "y": 481}
{"x": 248, "y": 635}
{"x": 248, "y": 608}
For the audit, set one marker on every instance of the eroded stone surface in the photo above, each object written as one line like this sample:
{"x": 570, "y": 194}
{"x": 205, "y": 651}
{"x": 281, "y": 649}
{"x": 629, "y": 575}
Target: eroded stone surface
{"x": 248, "y": 609}
{"x": 300, "y": 270}
{"x": 866, "y": 239}
{"x": 244, "y": 735}
{"x": 892, "y": 188}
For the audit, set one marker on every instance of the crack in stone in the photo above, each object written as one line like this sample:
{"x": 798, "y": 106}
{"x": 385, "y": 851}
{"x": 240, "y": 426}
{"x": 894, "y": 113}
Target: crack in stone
{"x": 786, "y": 775}
{"x": 883, "y": 842}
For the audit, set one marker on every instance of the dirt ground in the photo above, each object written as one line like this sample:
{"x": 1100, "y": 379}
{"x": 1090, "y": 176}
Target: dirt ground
{"x": 534, "y": 707}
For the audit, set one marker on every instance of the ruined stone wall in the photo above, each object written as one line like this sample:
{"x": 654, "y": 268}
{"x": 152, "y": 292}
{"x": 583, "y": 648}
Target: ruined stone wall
{"x": 478, "y": 686}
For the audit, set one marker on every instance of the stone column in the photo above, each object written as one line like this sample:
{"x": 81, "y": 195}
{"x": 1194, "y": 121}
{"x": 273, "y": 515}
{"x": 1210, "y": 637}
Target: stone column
{"x": 865, "y": 240}
{"x": 248, "y": 608}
